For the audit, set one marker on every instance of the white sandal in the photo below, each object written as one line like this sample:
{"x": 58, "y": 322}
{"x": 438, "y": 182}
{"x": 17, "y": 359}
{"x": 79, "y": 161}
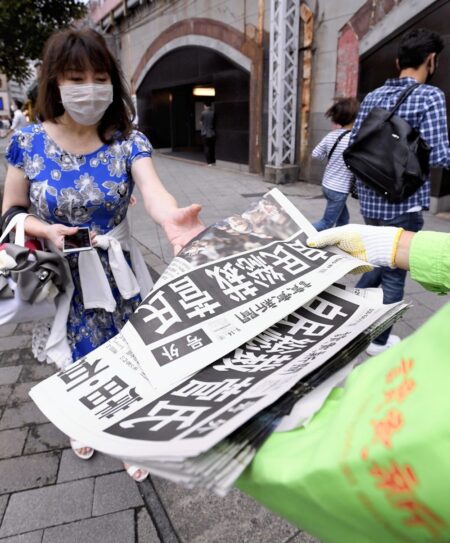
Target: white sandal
{"x": 132, "y": 470}
{"x": 77, "y": 446}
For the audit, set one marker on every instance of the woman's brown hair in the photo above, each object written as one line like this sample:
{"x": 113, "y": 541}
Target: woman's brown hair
{"x": 83, "y": 49}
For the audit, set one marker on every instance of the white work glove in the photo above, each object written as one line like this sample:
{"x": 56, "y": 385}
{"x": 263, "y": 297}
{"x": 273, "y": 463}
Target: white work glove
{"x": 376, "y": 245}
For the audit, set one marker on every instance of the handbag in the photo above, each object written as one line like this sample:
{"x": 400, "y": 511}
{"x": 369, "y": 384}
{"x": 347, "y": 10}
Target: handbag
{"x": 29, "y": 279}
{"x": 388, "y": 154}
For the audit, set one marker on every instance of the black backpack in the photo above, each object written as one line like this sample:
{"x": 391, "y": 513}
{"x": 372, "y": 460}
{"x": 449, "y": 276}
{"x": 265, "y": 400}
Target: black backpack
{"x": 388, "y": 155}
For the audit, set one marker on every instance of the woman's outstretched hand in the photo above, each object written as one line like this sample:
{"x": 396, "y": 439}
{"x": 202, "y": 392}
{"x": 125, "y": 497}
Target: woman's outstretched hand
{"x": 182, "y": 225}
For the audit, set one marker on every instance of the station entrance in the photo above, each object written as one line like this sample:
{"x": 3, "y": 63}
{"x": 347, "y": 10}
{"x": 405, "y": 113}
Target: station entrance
{"x": 171, "y": 97}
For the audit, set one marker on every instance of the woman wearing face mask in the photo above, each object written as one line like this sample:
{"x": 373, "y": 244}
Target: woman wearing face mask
{"x": 77, "y": 168}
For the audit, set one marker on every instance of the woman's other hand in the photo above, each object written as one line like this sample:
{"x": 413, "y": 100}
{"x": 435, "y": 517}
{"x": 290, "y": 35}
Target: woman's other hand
{"x": 182, "y": 225}
{"x": 56, "y": 232}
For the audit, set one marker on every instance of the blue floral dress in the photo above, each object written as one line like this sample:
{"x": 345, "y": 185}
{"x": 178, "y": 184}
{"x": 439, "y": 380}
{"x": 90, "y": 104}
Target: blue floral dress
{"x": 82, "y": 190}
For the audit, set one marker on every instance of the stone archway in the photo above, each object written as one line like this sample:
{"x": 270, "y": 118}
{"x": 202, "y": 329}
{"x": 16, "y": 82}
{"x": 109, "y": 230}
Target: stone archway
{"x": 169, "y": 110}
{"x": 227, "y": 41}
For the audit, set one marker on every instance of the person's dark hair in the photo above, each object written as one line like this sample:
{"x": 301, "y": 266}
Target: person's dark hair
{"x": 343, "y": 111}
{"x": 83, "y": 49}
{"x": 415, "y": 46}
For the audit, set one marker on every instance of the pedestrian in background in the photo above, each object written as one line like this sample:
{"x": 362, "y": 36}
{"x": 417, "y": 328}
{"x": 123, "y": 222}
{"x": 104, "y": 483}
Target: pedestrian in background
{"x": 208, "y": 134}
{"x": 18, "y": 118}
{"x": 337, "y": 179}
{"x": 4, "y": 126}
{"x": 77, "y": 168}
{"x": 18, "y": 121}
{"x": 424, "y": 110}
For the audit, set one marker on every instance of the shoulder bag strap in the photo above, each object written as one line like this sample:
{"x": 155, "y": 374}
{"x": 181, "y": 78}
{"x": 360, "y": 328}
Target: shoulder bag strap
{"x": 17, "y": 222}
{"x": 403, "y": 96}
{"x": 336, "y": 143}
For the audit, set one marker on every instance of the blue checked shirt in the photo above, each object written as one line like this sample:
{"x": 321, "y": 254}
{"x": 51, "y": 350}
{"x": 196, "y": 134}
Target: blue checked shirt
{"x": 425, "y": 111}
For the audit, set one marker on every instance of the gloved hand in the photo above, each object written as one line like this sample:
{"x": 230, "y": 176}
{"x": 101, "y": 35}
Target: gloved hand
{"x": 376, "y": 245}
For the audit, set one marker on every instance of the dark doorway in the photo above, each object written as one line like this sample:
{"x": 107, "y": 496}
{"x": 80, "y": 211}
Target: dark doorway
{"x": 169, "y": 111}
{"x": 378, "y": 64}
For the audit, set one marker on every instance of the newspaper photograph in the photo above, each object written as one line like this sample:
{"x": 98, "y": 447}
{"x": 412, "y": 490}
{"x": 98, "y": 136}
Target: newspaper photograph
{"x": 201, "y": 309}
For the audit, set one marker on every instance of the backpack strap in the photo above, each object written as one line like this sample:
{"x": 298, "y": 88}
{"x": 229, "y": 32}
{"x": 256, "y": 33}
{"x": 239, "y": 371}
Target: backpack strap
{"x": 403, "y": 96}
{"x": 338, "y": 139}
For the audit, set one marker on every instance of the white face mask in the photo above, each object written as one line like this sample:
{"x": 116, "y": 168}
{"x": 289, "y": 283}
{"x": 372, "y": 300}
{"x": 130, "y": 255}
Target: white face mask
{"x": 86, "y": 104}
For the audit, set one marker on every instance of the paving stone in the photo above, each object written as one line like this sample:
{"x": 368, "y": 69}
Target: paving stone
{"x": 45, "y": 437}
{"x": 115, "y": 528}
{"x": 9, "y": 374}
{"x": 21, "y": 415}
{"x": 403, "y": 329}
{"x": 30, "y": 537}
{"x": 20, "y": 394}
{"x": 37, "y": 372}
{"x": 236, "y": 517}
{"x": 115, "y": 492}
{"x": 3, "y": 502}
{"x": 11, "y": 343}
{"x": 28, "y": 471}
{"x": 303, "y": 537}
{"x": 19, "y": 356}
{"x": 146, "y": 529}
{"x": 415, "y": 324}
{"x": 431, "y": 301}
{"x": 417, "y": 311}
{"x": 11, "y": 442}
{"x": 7, "y": 330}
{"x": 48, "y": 506}
{"x": 5, "y": 391}
{"x": 25, "y": 328}
{"x": 73, "y": 468}
{"x": 160, "y": 269}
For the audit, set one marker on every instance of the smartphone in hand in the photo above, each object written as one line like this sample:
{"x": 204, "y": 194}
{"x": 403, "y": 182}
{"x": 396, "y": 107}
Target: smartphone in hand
{"x": 81, "y": 241}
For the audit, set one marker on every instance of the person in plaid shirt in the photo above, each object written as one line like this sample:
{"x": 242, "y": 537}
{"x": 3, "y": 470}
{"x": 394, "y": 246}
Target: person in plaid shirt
{"x": 425, "y": 111}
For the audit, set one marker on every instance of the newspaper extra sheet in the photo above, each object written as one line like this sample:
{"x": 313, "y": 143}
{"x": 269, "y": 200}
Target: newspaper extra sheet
{"x": 106, "y": 401}
{"x": 98, "y": 392}
{"x": 236, "y": 279}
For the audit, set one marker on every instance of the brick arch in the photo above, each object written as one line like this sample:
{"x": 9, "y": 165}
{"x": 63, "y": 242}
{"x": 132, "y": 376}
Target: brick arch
{"x": 197, "y": 41}
{"x": 217, "y": 32}
{"x": 225, "y": 40}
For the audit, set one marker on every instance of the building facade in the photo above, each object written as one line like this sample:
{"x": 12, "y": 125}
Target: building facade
{"x": 270, "y": 69}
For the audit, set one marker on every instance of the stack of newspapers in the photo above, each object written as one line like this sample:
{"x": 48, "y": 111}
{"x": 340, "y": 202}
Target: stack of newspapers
{"x": 245, "y": 333}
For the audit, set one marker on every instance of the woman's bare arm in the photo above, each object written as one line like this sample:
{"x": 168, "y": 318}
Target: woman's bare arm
{"x": 16, "y": 194}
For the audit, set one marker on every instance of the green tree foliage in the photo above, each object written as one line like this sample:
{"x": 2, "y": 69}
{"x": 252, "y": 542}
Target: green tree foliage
{"x": 24, "y": 27}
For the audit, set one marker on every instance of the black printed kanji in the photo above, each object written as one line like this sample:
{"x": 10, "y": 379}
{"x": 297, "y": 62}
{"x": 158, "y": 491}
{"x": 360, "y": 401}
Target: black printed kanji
{"x": 81, "y": 372}
{"x": 121, "y": 404}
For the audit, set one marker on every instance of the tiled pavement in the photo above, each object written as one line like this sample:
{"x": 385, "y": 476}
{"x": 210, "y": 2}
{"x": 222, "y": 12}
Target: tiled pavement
{"x": 47, "y": 495}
